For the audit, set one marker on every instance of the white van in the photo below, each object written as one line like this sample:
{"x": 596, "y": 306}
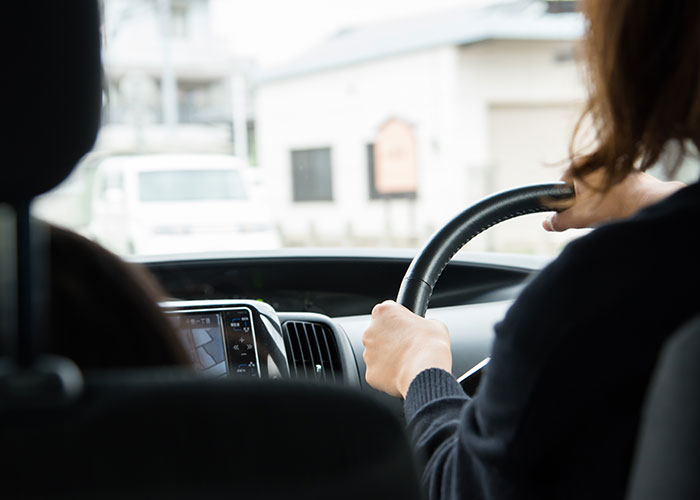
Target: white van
{"x": 159, "y": 204}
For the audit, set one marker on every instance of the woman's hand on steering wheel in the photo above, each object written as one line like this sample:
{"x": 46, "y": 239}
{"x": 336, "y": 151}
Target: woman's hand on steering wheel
{"x": 592, "y": 206}
{"x": 399, "y": 345}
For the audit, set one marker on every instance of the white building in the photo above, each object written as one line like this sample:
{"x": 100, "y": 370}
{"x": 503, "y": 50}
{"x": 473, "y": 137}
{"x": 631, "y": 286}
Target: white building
{"x": 171, "y": 85}
{"x": 489, "y": 95}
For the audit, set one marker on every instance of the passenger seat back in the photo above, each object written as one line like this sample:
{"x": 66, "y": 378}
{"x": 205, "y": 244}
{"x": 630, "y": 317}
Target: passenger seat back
{"x": 667, "y": 464}
{"x": 167, "y": 435}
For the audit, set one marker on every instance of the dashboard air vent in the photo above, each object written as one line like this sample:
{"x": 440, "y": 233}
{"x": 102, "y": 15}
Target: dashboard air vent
{"x": 312, "y": 351}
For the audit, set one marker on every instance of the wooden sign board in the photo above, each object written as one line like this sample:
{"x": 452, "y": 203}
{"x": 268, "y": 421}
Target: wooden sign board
{"x": 395, "y": 160}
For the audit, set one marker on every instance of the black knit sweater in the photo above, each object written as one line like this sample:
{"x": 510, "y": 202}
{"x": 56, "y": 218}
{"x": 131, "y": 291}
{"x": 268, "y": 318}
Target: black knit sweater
{"x": 557, "y": 412}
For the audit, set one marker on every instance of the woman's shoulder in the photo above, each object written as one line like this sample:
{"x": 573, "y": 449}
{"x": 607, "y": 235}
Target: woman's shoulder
{"x": 619, "y": 261}
{"x": 680, "y": 208}
{"x": 664, "y": 228}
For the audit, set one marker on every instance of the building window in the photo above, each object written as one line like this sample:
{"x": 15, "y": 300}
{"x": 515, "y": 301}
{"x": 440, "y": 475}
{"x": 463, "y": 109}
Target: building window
{"x": 179, "y": 26}
{"x": 312, "y": 175}
{"x": 252, "y": 143}
{"x": 561, "y": 6}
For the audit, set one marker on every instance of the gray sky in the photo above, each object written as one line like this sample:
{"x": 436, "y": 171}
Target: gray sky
{"x": 274, "y": 31}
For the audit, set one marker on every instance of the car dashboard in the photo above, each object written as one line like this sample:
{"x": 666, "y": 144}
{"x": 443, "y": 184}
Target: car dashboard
{"x": 288, "y": 314}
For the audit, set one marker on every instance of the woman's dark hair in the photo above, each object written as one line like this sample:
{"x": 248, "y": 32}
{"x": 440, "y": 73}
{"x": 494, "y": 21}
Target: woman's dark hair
{"x": 644, "y": 82}
{"x": 104, "y": 311}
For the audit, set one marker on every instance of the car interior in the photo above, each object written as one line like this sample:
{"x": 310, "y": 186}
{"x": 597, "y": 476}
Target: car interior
{"x": 276, "y": 405}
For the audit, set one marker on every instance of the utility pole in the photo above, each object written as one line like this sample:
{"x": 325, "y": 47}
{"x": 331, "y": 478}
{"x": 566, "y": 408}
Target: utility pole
{"x": 239, "y": 117}
{"x": 168, "y": 82}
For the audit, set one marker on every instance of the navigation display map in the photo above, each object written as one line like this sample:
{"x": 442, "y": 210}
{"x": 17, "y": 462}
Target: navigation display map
{"x": 203, "y": 337}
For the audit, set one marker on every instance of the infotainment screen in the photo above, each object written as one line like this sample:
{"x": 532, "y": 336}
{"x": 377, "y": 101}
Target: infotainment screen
{"x": 220, "y": 342}
{"x": 202, "y": 335}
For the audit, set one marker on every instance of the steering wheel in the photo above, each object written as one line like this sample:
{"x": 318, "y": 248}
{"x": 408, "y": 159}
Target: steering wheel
{"x": 425, "y": 269}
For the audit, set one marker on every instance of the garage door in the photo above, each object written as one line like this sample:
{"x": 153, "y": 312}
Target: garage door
{"x": 528, "y": 144}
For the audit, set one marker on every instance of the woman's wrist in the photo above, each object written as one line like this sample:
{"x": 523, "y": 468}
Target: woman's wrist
{"x": 433, "y": 358}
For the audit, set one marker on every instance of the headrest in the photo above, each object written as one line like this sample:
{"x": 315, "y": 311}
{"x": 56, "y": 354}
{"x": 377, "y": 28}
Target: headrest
{"x": 53, "y": 93}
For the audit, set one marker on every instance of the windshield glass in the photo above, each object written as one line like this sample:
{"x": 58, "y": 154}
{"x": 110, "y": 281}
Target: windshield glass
{"x": 349, "y": 123}
{"x": 190, "y": 185}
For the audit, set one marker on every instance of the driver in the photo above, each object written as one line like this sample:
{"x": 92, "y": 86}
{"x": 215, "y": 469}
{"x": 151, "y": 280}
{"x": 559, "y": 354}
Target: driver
{"x": 556, "y": 415}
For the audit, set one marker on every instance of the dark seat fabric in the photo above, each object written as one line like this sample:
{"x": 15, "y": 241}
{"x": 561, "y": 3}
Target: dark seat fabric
{"x": 667, "y": 463}
{"x": 52, "y": 93}
{"x": 164, "y": 436}
{"x": 147, "y": 435}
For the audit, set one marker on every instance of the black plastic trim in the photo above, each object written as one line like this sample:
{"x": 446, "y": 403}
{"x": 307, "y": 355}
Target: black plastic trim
{"x": 350, "y": 373}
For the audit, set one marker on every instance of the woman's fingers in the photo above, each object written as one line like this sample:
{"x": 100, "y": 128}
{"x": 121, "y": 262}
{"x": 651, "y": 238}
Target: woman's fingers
{"x": 399, "y": 345}
{"x": 593, "y": 205}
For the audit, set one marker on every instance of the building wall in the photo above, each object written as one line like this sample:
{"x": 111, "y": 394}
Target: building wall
{"x": 512, "y": 74}
{"x": 134, "y": 43}
{"x": 147, "y": 45}
{"x": 516, "y": 120}
{"x": 343, "y": 109}
{"x": 470, "y": 107}
{"x": 134, "y": 36}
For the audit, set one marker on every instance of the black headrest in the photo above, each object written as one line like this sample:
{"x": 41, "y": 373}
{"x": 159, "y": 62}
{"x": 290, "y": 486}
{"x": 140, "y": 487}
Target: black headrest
{"x": 51, "y": 105}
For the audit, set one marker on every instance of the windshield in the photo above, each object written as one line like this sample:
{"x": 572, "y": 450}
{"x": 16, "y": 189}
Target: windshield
{"x": 335, "y": 124}
{"x": 190, "y": 185}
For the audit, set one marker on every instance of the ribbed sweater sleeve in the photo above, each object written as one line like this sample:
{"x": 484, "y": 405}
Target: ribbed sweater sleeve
{"x": 433, "y": 408}
{"x": 428, "y": 386}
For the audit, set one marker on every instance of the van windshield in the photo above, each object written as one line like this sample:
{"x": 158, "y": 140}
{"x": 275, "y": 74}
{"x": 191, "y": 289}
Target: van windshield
{"x": 191, "y": 185}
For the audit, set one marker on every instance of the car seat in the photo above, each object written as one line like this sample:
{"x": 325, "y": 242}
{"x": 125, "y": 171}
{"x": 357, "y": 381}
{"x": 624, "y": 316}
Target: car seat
{"x": 142, "y": 434}
{"x": 667, "y": 462}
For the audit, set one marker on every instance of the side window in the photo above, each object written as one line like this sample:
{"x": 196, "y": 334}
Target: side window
{"x": 111, "y": 185}
{"x": 312, "y": 175}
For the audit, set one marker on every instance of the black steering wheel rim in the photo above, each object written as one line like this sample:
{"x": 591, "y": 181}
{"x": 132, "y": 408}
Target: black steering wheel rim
{"x": 427, "y": 266}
